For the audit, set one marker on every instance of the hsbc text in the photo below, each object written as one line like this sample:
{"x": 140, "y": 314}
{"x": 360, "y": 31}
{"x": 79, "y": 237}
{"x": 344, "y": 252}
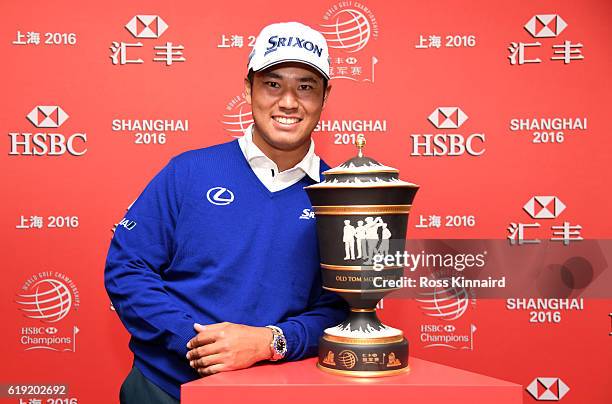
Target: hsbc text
{"x": 447, "y": 145}
{"x": 47, "y": 144}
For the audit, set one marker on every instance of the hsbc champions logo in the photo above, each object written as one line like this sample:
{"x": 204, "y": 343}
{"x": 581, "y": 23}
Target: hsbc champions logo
{"x": 447, "y": 322}
{"x": 43, "y": 143}
{"x": 46, "y": 301}
{"x": 348, "y": 28}
{"x": 442, "y": 143}
{"x": 237, "y": 116}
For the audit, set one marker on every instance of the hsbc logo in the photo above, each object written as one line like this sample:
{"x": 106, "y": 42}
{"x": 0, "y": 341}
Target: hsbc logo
{"x": 51, "y": 330}
{"x": 447, "y": 144}
{"x": 220, "y": 196}
{"x": 47, "y": 144}
{"x": 541, "y": 27}
{"x": 447, "y": 118}
{"x": 547, "y": 389}
{"x": 47, "y": 116}
{"x": 545, "y": 25}
{"x": 544, "y": 207}
{"x": 146, "y": 26}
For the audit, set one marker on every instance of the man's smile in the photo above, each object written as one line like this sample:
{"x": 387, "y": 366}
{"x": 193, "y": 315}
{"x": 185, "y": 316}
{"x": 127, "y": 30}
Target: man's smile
{"x": 286, "y": 121}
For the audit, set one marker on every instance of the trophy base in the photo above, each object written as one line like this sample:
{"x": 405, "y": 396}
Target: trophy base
{"x": 365, "y": 374}
{"x": 362, "y": 357}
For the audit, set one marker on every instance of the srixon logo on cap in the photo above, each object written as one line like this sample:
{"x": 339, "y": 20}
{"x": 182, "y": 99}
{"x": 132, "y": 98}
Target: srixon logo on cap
{"x": 293, "y": 41}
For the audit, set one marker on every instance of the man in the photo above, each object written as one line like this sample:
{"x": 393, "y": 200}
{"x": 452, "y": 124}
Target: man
{"x": 360, "y": 236}
{"x": 218, "y": 271}
{"x": 384, "y": 244}
{"x": 348, "y": 237}
{"x": 371, "y": 233}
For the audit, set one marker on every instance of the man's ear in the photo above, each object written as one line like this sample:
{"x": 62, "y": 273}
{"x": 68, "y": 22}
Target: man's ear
{"x": 247, "y": 90}
{"x": 327, "y": 91}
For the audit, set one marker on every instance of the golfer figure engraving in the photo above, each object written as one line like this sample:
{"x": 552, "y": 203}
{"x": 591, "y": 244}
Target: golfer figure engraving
{"x": 371, "y": 238}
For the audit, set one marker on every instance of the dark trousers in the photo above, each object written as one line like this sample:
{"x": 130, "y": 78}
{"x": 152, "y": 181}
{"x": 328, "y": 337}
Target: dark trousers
{"x": 137, "y": 389}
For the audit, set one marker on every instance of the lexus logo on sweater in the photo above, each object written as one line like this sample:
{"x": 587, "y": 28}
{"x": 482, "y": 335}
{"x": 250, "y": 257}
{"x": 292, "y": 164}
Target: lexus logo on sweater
{"x": 220, "y": 196}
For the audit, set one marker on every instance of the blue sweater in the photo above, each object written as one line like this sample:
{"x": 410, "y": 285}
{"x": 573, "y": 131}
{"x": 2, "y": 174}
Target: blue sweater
{"x": 177, "y": 259}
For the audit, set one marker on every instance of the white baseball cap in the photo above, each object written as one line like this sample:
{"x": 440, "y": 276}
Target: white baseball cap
{"x": 290, "y": 42}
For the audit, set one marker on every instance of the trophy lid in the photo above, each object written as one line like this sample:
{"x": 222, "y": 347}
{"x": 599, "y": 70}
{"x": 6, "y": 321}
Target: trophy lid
{"x": 362, "y": 172}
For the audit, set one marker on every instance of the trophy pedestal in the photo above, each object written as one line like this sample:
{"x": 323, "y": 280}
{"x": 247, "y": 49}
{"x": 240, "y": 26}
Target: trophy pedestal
{"x": 363, "y": 347}
{"x": 300, "y": 382}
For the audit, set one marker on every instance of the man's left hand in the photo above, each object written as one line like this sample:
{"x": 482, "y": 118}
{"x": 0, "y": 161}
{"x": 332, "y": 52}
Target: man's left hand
{"x": 227, "y": 346}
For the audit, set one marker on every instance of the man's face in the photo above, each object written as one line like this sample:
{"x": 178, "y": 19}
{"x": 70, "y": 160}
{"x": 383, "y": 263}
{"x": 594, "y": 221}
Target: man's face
{"x": 286, "y": 101}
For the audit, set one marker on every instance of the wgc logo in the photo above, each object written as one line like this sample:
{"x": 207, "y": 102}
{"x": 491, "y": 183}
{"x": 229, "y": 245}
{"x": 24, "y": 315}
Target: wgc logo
{"x": 348, "y": 28}
{"x": 48, "y": 300}
{"x": 237, "y": 117}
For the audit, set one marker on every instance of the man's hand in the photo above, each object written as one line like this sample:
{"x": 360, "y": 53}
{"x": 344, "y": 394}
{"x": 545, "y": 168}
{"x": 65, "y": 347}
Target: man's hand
{"x": 228, "y": 346}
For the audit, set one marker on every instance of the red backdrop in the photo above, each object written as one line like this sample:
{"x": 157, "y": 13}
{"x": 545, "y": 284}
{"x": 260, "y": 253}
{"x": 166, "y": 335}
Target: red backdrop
{"x": 405, "y": 73}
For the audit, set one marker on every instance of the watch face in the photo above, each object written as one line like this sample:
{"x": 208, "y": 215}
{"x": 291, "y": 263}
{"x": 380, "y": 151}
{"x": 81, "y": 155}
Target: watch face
{"x": 280, "y": 345}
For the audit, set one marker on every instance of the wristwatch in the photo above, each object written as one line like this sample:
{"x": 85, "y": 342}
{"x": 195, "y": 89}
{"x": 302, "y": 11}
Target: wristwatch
{"x": 278, "y": 346}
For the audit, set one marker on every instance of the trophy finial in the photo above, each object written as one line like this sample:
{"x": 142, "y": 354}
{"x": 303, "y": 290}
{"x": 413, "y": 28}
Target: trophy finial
{"x": 360, "y": 143}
